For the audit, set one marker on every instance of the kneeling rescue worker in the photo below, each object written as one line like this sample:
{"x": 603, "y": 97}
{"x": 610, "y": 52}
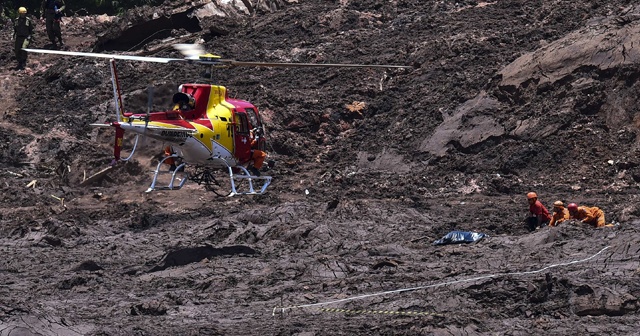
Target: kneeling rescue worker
{"x": 589, "y": 215}
{"x": 560, "y": 214}
{"x": 168, "y": 151}
{"x": 539, "y": 214}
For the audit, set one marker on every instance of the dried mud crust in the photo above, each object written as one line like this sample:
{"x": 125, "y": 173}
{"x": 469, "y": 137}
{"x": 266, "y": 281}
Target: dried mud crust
{"x": 372, "y": 167}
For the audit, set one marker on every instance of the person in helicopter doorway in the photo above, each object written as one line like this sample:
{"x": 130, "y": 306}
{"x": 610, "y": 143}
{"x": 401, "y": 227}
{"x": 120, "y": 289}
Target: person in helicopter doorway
{"x": 256, "y": 155}
{"x": 171, "y": 161}
{"x": 22, "y": 36}
{"x": 52, "y": 11}
{"x": 183, "y": 102}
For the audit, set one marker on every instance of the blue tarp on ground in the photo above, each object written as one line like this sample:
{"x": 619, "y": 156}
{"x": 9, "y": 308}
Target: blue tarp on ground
{"x": 457, "y": 237}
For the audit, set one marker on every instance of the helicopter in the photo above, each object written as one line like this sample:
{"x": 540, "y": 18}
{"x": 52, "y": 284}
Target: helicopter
{"x": 207, "y": 130}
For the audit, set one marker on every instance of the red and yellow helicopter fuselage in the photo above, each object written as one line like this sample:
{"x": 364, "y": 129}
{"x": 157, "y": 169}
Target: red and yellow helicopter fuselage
{"x": 217, "y": 132}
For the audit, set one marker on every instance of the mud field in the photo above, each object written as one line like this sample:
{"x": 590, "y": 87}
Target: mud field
{"x": 372, "y": 167}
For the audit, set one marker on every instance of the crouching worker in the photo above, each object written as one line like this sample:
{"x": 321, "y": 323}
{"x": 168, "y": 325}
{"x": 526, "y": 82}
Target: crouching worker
{"x": 560, "y": 214}
{"x": 539, "y": 214}
{"x": 589, "y": 215}
{"x": 168, "y": 151}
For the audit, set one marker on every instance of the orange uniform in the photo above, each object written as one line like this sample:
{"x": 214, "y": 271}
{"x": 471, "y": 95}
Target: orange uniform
{"x": 538, "y": 210}
{"x": 168, "y": 151}
{"x": 559, "y": 216}
{"x": 593, "y": 216}
{"x": 257, "y": 155}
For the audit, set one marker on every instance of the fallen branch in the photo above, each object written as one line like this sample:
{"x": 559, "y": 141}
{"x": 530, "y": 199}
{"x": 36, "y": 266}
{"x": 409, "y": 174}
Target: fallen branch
{"x": 96, "y": 177}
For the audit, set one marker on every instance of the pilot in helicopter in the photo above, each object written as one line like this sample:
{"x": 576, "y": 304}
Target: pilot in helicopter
{"x": 183, "y": 102}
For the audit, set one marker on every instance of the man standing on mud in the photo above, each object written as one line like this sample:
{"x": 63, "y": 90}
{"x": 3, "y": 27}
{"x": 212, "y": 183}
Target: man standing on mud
{"x": 52, "y": 11}
{"x": 539, "y": 214}
{"x": 22, "y": 35}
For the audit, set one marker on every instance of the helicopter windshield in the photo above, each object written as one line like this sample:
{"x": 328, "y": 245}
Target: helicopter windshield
{"x": 253, "y": 118}
{"x": 241, "y": 121}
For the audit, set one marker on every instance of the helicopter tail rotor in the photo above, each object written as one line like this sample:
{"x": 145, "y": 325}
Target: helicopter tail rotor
{"x": 120, "y": 115}
{"x": 117, "y": 95}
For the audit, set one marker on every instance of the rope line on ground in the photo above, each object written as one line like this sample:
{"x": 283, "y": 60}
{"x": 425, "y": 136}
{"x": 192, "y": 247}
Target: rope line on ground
{"x": 283, "y": 309}
{"x": 388, "y": 312}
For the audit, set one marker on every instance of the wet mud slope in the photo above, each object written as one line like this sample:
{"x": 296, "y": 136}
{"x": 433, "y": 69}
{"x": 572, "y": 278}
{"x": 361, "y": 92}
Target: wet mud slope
{"x": 372, "y": 167}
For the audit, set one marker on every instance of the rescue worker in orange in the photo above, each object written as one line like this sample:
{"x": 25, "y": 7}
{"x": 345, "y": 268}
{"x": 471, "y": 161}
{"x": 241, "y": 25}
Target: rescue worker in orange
{"x": 560, "y": 214}
{"x": 589, "y": 215}
{"x": 539, "y": 214}
{"x": 172, "y": 161}
{"x": 256, "y": 155}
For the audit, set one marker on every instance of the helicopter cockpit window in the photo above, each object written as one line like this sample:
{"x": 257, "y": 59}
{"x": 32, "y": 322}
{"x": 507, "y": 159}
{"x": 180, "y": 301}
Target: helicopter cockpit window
{"x": 241, "y": 121}
{"x": 253, "y": 117}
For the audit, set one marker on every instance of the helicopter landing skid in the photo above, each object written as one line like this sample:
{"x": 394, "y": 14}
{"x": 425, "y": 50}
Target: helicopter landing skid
{"x": 174, "y": 175}
{"x": 207, "y": 177}
{"x": 245, "y": 175}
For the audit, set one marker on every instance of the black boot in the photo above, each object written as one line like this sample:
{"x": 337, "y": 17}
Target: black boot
{"x": 254, "y": 171}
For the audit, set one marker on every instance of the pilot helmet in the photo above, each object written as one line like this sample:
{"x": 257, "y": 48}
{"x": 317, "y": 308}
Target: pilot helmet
{"x": 184, "y": 98}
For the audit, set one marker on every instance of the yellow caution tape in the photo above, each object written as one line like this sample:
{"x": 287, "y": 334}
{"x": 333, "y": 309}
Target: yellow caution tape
{"x": 388, "y": 312}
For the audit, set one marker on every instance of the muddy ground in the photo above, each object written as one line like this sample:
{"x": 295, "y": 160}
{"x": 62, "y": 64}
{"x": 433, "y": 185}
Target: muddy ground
{"x": 505, "y": 97}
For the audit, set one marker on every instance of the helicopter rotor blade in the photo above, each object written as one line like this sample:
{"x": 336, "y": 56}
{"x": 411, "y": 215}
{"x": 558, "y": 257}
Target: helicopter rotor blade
{"x": 195, "y": 54}
{"x": 311, "y": 65}
{"x": 190, "y": 51}
{"x": 98, "y": 55}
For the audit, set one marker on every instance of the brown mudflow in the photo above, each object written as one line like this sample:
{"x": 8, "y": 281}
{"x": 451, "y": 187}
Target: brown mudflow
{"x": 506, "y": 97}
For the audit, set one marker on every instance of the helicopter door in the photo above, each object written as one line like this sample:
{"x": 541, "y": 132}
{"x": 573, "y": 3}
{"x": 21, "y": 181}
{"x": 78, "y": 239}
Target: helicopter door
{"x": 241, "y": 138}
{"x": 256, "y": 126}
